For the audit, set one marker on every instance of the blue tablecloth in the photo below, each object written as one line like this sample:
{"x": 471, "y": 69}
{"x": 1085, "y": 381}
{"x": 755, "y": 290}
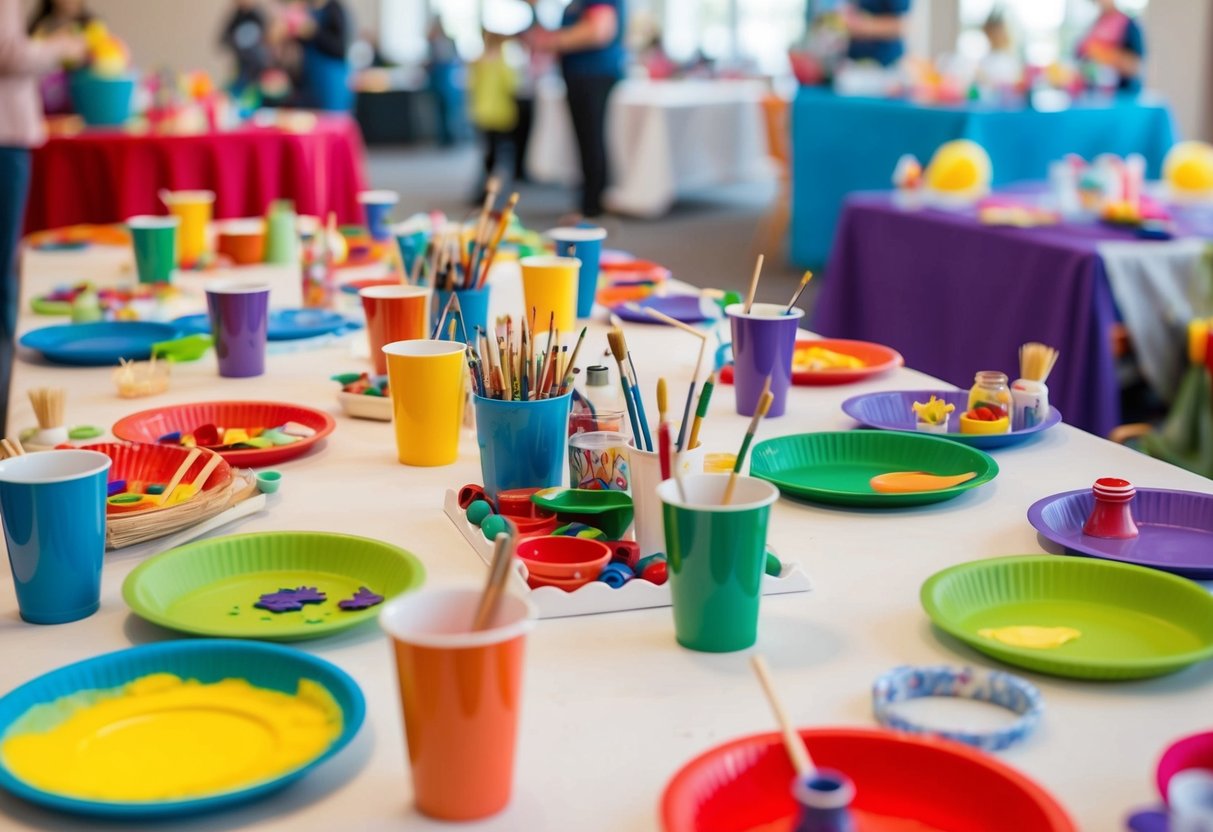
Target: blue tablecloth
{"x": 840, "y": 145}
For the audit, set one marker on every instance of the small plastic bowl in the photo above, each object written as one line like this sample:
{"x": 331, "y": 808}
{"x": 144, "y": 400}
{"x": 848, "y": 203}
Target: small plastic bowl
{"x": 141, "y": 378}
{"x": 980, "y": 427}
{"x": 516, "y": 502}
{"x": 268, "y": 481}
{"x": 564, "y": 558}
{"x": 542, "y": 523}
{"x": 536, "y": 581}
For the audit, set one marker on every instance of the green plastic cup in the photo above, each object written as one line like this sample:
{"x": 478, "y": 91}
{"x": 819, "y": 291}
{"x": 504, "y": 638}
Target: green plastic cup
{"x": 155, "y": 242}
{"x": 717, "y": 555}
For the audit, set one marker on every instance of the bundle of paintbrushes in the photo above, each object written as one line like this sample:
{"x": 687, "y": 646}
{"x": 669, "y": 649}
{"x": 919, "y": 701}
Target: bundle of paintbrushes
{"x": 450, "y": 264}
{"x": 514, "y": 363}
{"x": 631, "y": 390}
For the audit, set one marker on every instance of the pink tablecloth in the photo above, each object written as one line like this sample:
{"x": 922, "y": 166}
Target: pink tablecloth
{"x": 106, "y": 176}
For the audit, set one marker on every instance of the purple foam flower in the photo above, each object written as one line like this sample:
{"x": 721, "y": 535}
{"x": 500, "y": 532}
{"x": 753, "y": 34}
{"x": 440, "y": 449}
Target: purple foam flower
{"x": 290, "y": 600}
{"x": 363, "y": 599}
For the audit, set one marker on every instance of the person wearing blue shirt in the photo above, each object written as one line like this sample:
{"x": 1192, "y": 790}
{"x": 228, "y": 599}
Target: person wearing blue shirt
{"x": 324, "y": 38}
{"x": 1116, "y": 41}
{"x": 876, "y": 29}
{"x": 592, "y": 57}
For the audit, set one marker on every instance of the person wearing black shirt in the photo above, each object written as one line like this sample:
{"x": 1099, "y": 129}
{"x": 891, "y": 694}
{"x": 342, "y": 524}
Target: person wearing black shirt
{"x": 245, "y": 36}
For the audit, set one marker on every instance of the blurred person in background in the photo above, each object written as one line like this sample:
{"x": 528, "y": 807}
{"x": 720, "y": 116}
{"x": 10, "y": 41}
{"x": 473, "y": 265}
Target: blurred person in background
{"x": 22, "y": 60}
{"x": 55, "y": 17}
{"x": 1115, "y": 41}
{"x": 491, "y": 86}
{"x": 876, "y": 29}
{"x": 443, "y": 67}
{"x": 322, "y": 30}
{"x": 245, "y": 36}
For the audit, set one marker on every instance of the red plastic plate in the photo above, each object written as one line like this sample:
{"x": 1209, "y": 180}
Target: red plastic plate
{"x": 902, "y": 783}
{"x": 878, "y": 358}
{"x": 156, "y": 464}
{"x": 150, "y": 425}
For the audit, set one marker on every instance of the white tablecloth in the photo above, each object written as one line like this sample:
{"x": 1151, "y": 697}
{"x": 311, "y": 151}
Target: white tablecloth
{"x": 665, "y": 138}
{"x": 612, "y": 706}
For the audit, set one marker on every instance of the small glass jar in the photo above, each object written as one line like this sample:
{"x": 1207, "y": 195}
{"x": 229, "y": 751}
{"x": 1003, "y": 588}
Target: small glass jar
{"x": 990, "y": 390}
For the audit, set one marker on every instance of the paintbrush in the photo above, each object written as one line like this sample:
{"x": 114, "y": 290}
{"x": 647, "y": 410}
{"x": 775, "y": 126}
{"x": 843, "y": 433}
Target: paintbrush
{"x": 804, "y": 282}
{"x": 764, "y": 404}
{"x": 482, "y": 224}
{"x": 663, "y": 431}
{"x": 749, "y": 298}
{"x": 498, "y": 235}
{"x": 640, "y": 414}
{"x": 572, "y": 367}
{"x": 703, "y": 343}
{"x": 615, "y": 340}
{"x": 178, "y": 474}
{"x": 792, "y": 741}
{"x": 705, "y": 396}
{"x": 499, "y": 570}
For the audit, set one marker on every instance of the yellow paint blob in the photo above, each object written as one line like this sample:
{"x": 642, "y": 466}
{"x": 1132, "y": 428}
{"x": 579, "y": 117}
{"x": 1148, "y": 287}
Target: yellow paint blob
{"x": 1033, "y": 638}
{"x": 161, "y": 737}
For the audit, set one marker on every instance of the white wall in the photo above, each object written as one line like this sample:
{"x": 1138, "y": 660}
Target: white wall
{"x": 1179, "y": 60}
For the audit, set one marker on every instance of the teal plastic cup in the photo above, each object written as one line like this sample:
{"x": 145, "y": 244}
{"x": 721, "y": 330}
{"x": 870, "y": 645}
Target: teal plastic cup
{"x": 52, "y": 505}
{"x": 474, "y": 306}
{"x": 522, "y": 444}
{"x": 585, "y": 243}
{"x": 716, "y": 556}
{"x": 155, "y": 242}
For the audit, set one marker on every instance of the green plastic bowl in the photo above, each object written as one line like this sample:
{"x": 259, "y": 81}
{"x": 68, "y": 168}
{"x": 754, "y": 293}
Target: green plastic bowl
{"x": 835, "y": 468}
{"x": 1135, "y": 622}
{"x": 209, "y": 588}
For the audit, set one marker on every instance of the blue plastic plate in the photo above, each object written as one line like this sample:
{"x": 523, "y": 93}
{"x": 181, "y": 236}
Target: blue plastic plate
{"x": 284, "y": 324}
{"x": 893, "y": 411}
{"x": 690, "y": 309}
{"x": 98, "y": 344}
{"x": 207, "y": 660}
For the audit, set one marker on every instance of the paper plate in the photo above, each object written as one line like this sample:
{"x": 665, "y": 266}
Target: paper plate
{"x": 877, "y": 359}
{"x": 835, "y": 468}
{"x": 1135, "y": 622}
{"x": 210, "y": 660}
{"x": 150, "y": 425}
{"x": 156, "y": 464}
{"x": 690, "y": 309}
{"x": 209, "y": 588}
{"x": 1175, "y": 529}
{"x": 901, "y": 783}
{"x": 893, "y": 411}
{"x": 98, "y": 344}
{"x": 284, "y": 324}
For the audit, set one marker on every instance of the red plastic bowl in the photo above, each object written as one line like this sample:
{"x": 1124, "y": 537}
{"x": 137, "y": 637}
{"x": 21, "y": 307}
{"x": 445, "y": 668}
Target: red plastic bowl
{"x": 1194, "y": 751}
{"x": 150, "y": 425}
{"x": 878, "y": 358}
{"x": 156, "y": 464}
{"x": 564, "y": 558}
{"x": 901, "y": 782}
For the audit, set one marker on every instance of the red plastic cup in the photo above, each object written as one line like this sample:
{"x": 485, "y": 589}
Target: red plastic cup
{"x": 394, "y": 313}
{"x": 461, "y": 693}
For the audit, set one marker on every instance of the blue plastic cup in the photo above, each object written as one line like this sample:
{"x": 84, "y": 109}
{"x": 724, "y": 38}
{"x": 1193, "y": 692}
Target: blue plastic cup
{"x": 584, "y": 243}
{"x": 522, "y": 444}
{"x": 412, "y": 245}
{"x": 474, "y": 303}
{"x": 52, "y": 506}
{"x": 377, "y": 206}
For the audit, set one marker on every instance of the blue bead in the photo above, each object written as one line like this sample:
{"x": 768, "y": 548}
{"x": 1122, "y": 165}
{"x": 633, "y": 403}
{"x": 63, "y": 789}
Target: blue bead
{"x": 616, "y": 575}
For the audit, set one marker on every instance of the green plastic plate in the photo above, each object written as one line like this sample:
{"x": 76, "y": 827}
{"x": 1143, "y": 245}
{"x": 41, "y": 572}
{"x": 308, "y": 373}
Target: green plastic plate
{"x": 835, "y": 468}
{"x": 209, "y": 588}
{"x": 1135, "y": 622}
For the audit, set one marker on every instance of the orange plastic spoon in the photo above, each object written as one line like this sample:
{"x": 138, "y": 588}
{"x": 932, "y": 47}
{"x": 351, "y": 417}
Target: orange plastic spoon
{"x": 910, "y": 482}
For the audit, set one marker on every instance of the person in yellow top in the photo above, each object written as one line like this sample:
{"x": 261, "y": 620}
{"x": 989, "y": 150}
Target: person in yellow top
{"x": 491, "y": 85}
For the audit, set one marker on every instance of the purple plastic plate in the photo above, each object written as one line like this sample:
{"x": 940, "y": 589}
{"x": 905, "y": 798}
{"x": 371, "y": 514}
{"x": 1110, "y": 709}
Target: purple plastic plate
{"x": 690, "y": 309}
{"x": 1176, "y": 530}
{"x": 894, "y": 411}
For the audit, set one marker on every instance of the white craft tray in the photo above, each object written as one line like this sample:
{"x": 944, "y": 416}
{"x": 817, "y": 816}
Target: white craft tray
{"x": 596, "y": 597}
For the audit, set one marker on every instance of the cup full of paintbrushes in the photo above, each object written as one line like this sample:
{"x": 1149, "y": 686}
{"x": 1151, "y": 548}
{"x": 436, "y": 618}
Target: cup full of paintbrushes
{"x": 461, "y": 695}
{"x": 473, "y": 311}
{"x": 549, "y": 286}
{"x": 522, "y": 443}
{"x": 716, "y": 553}
{"x": 644, "y": 469}
{"x": 764, "y": 339}
{"x": 427, "y": 380}
{"x": 394, "y": 313}
{"x": 584, "y": 243}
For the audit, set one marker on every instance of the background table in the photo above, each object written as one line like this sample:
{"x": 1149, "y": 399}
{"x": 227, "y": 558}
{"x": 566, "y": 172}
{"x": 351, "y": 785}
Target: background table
{"x": 955, "y": 296}
{"x": 841, "y": 144}
{"x": 664, "y": 138}
{"x": 612, "y": 706}
{"x": 101, "y": 176}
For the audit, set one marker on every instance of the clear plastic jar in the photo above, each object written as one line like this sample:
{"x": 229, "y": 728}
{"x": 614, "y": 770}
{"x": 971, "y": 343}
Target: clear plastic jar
{"x": 990, "y": 390}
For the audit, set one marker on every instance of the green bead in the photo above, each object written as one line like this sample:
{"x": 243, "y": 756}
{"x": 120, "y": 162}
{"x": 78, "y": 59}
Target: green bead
{"x": 477, "y": 511}
{"x": 773, "y": 568}
{"x": 84, "y": 432}
{"x": 346, "y": 378}
{"x": 493, "y": 525}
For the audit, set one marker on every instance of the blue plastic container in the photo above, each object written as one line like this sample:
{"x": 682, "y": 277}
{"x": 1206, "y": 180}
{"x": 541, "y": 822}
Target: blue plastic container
{"x": 585, "y": 243}
{"x": 100, "y": 101}
{"x": 474, "y": 304}
{"x": 521, "y": 443}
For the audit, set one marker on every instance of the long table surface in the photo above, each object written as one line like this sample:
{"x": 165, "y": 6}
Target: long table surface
{"x": 613, "y": 707}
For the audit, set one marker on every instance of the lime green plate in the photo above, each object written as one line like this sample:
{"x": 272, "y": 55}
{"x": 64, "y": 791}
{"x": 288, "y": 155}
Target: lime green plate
{"x": 209, "y": 588}
{"x": 1134, "y": 622}
{"x": 835, "y": 468}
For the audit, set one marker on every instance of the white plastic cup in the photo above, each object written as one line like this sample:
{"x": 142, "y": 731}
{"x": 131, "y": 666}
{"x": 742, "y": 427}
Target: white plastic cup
{"x": 645, "y": 470}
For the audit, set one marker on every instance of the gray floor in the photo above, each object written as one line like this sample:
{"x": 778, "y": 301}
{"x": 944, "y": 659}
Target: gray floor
{"x": 707, "y": 240}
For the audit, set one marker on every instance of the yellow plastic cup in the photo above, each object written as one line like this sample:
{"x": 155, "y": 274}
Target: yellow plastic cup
{"x": 426, "y": 383}
{"x": 193, "y": 209}
{"x": 549, "y": 284}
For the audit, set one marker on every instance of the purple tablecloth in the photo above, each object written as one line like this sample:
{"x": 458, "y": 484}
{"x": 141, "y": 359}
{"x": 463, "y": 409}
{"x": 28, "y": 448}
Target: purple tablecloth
{"x": 954, "y": 297}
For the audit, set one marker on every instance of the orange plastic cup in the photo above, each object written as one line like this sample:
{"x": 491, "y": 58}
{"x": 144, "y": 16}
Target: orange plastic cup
{"x": 394, "y": 313}
{"x": 242, "y": 241}
{"x": 461, "y": 692}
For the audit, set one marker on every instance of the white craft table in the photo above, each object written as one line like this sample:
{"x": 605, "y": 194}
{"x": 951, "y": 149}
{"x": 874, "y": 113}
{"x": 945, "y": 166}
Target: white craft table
{"x": 613, "y": 706}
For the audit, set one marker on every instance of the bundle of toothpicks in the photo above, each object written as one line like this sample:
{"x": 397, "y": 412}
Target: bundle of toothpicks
{"x": 517, "y": 364}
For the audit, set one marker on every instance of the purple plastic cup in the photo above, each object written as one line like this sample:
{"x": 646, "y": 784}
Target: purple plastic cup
{"x": 763, "y": 343}
{"x": 239, "y": 314}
